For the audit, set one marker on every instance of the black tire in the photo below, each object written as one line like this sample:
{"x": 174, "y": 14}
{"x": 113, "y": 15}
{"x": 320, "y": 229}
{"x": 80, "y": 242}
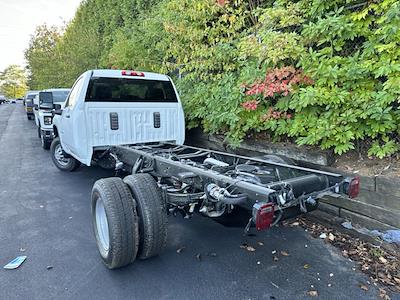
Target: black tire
{"x": 122, "y": 222}
{"x": 29, "y": 117}
{"x": 45, "y": 143}
{"x": 151, "y": 209}
{"x": 39, "y": 132}
{"x": 70, "y": 165}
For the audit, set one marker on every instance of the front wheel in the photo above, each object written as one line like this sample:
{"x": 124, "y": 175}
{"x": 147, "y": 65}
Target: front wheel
{"x": 45, "y": 142}
{"x": 62, "y": 162}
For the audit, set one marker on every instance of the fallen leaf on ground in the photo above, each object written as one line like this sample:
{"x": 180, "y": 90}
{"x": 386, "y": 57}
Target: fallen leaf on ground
{"x": 364, "y": 287}
{"x": 275, "y": 258}
{"x": 295, "y": 224}
{"x": 331, "y": 237}
{"x": 306, "y": 266}
{"x": 180, "y": 250}
{"x": 260, "y": 243}
{"x": 312, "y": 293}
{"x": 247, "y": 247}
{"x": 213, "y": 254}
{"x": 322, "y": 236}
{"x": 365, "y": 254}
{"x": 383, "y": 260}
{"x": 383, "y": 294}
{"x": 198, "y": 256}
{"x": 284, "y": 253}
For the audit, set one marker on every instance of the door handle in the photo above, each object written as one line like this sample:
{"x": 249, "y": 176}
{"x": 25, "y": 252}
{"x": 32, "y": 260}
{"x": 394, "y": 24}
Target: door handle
{"x": 67, "y": 116}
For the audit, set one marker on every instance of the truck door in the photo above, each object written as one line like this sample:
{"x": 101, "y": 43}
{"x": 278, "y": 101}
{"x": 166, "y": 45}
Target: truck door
{"x": 36, "y": 109}
{"x": 70, "y": 122}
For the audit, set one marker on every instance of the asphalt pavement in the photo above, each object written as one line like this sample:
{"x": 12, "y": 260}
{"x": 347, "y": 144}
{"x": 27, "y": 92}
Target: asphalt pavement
{"x": 45, "y": 214}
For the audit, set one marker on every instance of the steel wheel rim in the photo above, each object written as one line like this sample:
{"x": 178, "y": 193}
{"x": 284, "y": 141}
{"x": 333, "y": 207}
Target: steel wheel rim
{"x": 102, "y": 225}
{"x": 59, "y": 156}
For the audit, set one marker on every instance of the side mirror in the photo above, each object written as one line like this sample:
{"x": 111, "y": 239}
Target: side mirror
{"x": 57, "y": 109}
{"x": 46, "y": 100}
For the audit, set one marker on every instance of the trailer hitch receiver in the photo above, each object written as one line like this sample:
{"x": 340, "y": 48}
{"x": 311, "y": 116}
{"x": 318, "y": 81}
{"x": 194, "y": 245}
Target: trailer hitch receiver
{"x": 263, "y": 215}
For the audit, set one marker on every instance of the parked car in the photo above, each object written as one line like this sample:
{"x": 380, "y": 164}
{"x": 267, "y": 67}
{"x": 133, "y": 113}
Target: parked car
{"x": 28, "y": 102}
{"x": 137, "y": 119}
{"x": 2, "y": 99}
{"x": 42, "y": 106}
{"x": 32, "y": 95}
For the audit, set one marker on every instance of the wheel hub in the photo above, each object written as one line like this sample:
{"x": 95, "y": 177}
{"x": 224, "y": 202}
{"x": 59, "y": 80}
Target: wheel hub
{"x": 102, "y": 225}
{"x": 59, "y": 155}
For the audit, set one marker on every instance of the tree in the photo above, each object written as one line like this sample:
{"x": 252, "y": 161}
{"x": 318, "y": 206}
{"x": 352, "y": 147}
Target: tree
{"x": 41, "y": 56}
{"x": 13, "y": 81}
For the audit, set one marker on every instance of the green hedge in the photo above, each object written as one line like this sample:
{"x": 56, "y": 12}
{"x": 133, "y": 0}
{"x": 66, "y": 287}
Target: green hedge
{"x": 319, "y": 72}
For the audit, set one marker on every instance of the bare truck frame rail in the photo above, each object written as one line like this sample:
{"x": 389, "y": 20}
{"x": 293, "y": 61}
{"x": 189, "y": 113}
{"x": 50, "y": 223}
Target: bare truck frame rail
{"x": 167, "y": 179}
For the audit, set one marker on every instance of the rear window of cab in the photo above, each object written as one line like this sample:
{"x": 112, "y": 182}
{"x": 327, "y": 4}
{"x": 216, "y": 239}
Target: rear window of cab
{"x": 130, "y": 90}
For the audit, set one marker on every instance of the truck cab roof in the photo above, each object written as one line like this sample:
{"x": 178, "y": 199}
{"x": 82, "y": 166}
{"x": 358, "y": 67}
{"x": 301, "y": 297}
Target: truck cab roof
{"x": 129, "y": 74}
{"x": 57, "y": 90}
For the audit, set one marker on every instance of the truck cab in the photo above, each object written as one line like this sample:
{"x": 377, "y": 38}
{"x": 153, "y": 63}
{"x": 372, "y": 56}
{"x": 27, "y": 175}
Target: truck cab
{"x": 28, "y": 102}
{"x": 43, "y": 104}
{"x": 115, "y": 107}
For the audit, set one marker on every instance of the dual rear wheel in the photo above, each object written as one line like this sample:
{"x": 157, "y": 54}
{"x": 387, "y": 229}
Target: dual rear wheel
{"x": 129, "y": 219}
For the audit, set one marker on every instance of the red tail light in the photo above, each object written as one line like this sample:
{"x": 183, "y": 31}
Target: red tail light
{"x": 263, "y": 215}
{"x": 132, "y": 73}
{"x": 354, "y": 187}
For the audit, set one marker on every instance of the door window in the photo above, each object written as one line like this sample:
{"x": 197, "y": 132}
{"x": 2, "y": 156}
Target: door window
{"x": 73, "y": 96}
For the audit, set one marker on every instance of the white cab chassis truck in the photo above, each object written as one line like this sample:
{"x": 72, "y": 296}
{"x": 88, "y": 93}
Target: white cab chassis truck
{"x": 108, "y": 108}
{"x": 43, "y": 105}
{"x": 136, "y": 121}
